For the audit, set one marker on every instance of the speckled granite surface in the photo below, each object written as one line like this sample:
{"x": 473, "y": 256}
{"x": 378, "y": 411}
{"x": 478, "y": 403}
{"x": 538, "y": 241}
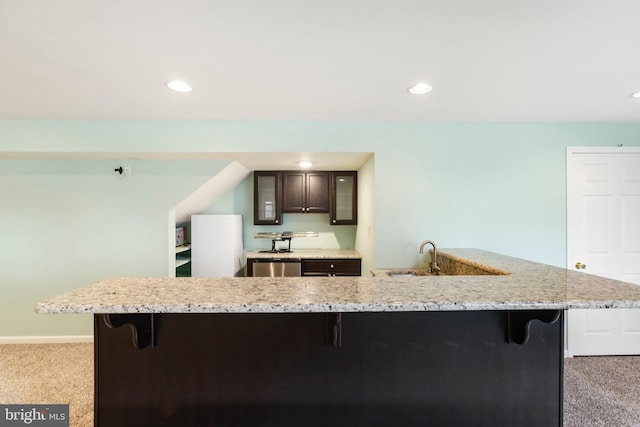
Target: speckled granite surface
{"x": 529, "y": 286}
{"x": 449, "y": 264}
{"x": 307, "y": 253}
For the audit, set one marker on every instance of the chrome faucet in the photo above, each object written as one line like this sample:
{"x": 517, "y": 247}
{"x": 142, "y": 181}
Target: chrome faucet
{"x": 433, "y": 266}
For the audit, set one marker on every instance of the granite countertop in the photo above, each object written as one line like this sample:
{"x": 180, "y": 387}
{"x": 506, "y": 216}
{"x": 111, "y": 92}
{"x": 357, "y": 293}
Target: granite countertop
{"x": 306, "y": 254}
{"x": 529, "y": 286}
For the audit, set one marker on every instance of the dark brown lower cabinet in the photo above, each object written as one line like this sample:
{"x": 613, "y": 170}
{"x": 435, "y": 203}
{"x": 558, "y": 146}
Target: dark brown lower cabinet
{"x": 331, "y": 267}
{"x": 328, "y": 369}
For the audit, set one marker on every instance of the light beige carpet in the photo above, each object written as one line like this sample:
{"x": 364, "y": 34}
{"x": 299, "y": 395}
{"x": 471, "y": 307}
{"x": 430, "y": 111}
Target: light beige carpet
{"x": 49, "y": 374}
{"x": 602, "y": 391}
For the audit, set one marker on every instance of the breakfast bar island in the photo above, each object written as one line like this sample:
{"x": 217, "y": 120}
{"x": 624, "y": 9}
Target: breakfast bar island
{"x": 341, "y": 351}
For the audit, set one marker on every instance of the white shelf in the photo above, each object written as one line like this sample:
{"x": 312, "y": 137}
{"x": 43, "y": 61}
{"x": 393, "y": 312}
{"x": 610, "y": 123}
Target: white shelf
{"x": 183, "y": 248}
{"x": 181, "y": 262}
{"x": 183, "y": 257}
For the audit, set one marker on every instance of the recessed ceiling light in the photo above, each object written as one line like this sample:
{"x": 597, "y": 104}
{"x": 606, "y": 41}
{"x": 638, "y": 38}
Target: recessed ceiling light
{"x": 419, "y": 89}
{"x": 636, "y": 95}
{"x": 305, "y": 164}
{"x": 179, "y": 86}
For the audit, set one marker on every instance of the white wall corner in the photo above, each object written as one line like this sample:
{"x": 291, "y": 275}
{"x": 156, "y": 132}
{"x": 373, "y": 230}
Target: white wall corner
{"x": 198, "y": 201}
{"x": 171, "y": 237}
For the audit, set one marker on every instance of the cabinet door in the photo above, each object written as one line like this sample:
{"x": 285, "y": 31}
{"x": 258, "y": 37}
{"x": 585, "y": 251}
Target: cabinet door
{"x": 306, "y": 192}
{"x": 267, "y": 198}
{"x": 317, "y": 192}
{"x": 331, "y": 267}
{"x": 294, "y": 192}
{"x": 344, "y": 198}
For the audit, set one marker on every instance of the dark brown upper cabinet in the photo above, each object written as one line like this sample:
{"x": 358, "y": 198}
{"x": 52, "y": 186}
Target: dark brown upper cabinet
{"x": 278, "y": 192}
{"x": 305, "y": 192}
{"x": 267, "y": 198}
{"x": 344, "y": 198}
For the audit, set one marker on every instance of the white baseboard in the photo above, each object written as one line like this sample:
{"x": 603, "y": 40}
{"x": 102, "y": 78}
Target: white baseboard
{"x": 58, "y": 339}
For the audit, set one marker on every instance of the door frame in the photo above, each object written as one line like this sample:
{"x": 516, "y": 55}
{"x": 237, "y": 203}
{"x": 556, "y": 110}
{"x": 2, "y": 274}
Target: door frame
{"x": 586, "y": 150}
{"x": 619, "y": 149}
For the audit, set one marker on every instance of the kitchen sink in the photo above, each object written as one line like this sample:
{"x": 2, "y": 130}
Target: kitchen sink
{"x": 447, "y": 269}
{"x": 408, "y": 272}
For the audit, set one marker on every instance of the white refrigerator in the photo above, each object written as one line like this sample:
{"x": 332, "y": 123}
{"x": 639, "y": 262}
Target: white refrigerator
{"x": 216, "y": 246}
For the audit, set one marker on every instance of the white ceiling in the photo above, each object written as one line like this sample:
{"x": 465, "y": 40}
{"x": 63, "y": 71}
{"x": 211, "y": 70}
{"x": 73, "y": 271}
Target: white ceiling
{"x": 488, "y": 61}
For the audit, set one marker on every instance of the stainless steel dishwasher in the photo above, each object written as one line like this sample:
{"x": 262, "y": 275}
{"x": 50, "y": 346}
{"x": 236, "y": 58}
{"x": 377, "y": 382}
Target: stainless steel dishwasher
{"x": 276, "y": 267}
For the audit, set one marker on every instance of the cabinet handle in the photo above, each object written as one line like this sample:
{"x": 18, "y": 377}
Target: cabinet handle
{"x": 332, "y": 266}
{"x": 277, "y": 221}
{"x": 334, "y": 221}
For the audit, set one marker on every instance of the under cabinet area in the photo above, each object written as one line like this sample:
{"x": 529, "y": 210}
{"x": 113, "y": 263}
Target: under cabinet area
{"x": 278, "y": 192}
{"x": 310, "y": 262}
{"x": 316, "y": 369}
{"x": 331, "y": 267}
{"x": 311, "y": 267}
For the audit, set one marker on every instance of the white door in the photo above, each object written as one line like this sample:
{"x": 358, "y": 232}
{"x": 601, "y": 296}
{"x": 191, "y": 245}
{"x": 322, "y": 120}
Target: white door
{"x": 603, "y": 238}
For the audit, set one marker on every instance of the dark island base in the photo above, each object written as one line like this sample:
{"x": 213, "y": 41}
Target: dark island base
{"x": 311, "y": 369}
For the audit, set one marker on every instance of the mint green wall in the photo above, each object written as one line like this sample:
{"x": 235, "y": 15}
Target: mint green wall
{"x": 495, "y": 187}
{"x": 66, "y": 224}
{"x": 499, "y": 187}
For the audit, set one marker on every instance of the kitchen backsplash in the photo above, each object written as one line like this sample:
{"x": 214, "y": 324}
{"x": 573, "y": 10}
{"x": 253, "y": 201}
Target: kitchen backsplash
{"x": 329, "y": 237}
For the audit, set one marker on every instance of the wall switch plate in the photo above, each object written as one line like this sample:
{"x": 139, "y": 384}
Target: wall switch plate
{"x": 126, "y": 170}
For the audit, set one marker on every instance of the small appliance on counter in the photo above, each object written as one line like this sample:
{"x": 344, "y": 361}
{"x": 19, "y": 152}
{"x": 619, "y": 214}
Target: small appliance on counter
{"x": 181, "y": 236}
{"x": 283, "y": 236}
